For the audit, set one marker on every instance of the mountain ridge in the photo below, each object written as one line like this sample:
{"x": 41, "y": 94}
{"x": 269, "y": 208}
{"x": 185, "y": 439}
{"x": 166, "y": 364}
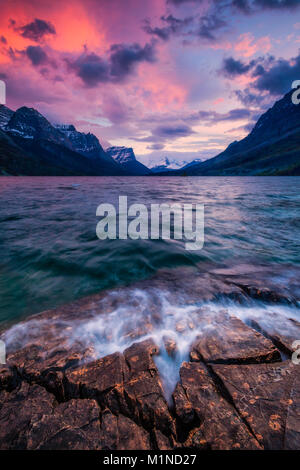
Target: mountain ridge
{"x": 126, "y": 158}
{"x": 167, "y": 163}
{"x": 31, "y": 145}
{"x": 271, "y": 148}
{"x": 40, "y": 148}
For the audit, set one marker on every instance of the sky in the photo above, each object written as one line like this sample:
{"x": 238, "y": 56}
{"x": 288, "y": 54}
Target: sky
{"x": 181, "y": 78}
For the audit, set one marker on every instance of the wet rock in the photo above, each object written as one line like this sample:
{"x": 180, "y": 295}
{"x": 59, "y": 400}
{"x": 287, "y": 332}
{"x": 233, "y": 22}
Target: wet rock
{"x": 121, "y": 433}
{"x": 40, "y": 356}
{"x": 197, "y": 440}
{"x": 18, "y": 410}
{"x": 163, "y": 442}
{"x": 142, "y": 396}
{"x": 141, "y": 327}
{"x": 56, "y": 394}
{"x": 9, "y": 378}
{"x": 71, "y": 425}
{"x": 170, "y": 345}
{"x": 45, "y": 363}
{"x": 282, "y": 330}
{"x": 36, "y": 366}
{"x": 94, "y": 379}
{"x": 292, "y": 431}
{"x": 31, "y": 418}
{"x": 218, "y": 424}
{"x": 127, "y": 384}
{"x": 267, "y": 396}
{"x": 139, "y": 357}
{"x": 226, "y": 339}
{"x": 181, "y": 326}
{"x": 268, "y": 295}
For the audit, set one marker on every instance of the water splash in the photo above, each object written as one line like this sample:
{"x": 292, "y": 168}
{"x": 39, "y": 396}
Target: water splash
{"x": 133, "y": 315}
{"x": 173, "y": 327}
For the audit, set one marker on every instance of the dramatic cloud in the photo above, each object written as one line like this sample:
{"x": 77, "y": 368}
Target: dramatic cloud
{"x": 246, "y": 6}
{"x": 212, "y": 117}
{"x": 259, "y": 70}
{"x": 232, "y": 67}
{"x": 171, "y": 27}
{"x": 278, "y": 79}
{"x": 141, "y": 83}
{"x": 37, "y": 55}
{"x": 209, "y": 25}
{"x": 276, "y": 4}
{"x": 155, "y": 146}
{"x": 172, "y": 131}
{"x": 252, "y": 98}
{"x": 243, "y": 7}
{"x": 118, "y": 64}
{"x": 204, "y": 27}
{"x": 271, "y": 75}
{"x": 164, "y": 133}
{"x": 124, "y": 57}
{"x": 232, "y": 115}
{"x": 36, "y": 30}
{"x": 180, "y": 2}
{"x": 91, "y": 68}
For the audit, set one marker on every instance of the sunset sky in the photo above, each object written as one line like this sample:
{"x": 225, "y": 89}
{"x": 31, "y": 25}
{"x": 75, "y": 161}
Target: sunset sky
{"x": 166, "y": 77}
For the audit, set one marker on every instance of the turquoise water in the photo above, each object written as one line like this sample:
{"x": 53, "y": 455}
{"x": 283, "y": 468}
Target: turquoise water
{"x": 50, "y": 254}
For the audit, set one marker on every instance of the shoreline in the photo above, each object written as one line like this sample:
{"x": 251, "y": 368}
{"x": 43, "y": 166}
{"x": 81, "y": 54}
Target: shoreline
{"x": 237, "y": 387}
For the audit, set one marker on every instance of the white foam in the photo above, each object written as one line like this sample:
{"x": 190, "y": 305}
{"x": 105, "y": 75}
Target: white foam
{"x": 141, "y": 315}
{"x": 122, "y": 327}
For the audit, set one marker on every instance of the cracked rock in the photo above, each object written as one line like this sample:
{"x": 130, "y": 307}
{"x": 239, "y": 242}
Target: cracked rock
{"x": 219, "y": 425}
{"x": 226, "y": 339}
{"x": 267, "y": 396}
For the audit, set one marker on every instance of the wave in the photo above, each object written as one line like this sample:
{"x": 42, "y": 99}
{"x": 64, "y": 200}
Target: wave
{"x": 128, "y": 315}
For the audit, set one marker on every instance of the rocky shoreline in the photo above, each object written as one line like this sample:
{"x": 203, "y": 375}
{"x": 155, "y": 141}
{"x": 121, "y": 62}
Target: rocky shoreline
{"x": 238, "y": 388}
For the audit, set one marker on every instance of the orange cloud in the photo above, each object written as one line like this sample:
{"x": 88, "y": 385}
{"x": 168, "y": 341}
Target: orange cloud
{"x": 74, "y": 26}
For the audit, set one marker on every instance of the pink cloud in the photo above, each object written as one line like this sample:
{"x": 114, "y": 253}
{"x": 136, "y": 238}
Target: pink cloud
{"x": 247, "y": 45}
{"x": 218, "y": 101}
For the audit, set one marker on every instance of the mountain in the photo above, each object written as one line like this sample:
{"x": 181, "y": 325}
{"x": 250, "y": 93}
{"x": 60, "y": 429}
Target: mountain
{"x": 271, "y": 148}
{"x": 167, "y": 164}
{"x": 14, "y": 160}
{"x": 126, "y": 158}
{"x": 85, "y": 144}
{"x": 43, "y": 149}
{"x": 28, "y": 123}
{"x": 171, "y": 164}
{"x": 5, "y": 115}
{"x": 192, "y": 163}
{"x": 31, "y": 145}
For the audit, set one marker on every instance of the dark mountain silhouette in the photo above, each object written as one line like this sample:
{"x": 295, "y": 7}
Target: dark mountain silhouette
{"x": 126, "y": 158}
{"x": 31, "y": 145}
{"x": 45, "y": 149}
{"x": 85, "y": 144}
{"x": 5, "y": 115}
{"x": 271, "y": 148}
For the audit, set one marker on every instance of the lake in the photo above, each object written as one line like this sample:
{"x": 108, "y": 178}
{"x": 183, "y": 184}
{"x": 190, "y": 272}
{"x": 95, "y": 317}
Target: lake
{"x": 50, "y": 253}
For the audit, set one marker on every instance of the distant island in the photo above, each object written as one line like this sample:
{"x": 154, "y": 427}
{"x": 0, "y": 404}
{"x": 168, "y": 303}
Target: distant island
{"x": 30, "y": 145}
